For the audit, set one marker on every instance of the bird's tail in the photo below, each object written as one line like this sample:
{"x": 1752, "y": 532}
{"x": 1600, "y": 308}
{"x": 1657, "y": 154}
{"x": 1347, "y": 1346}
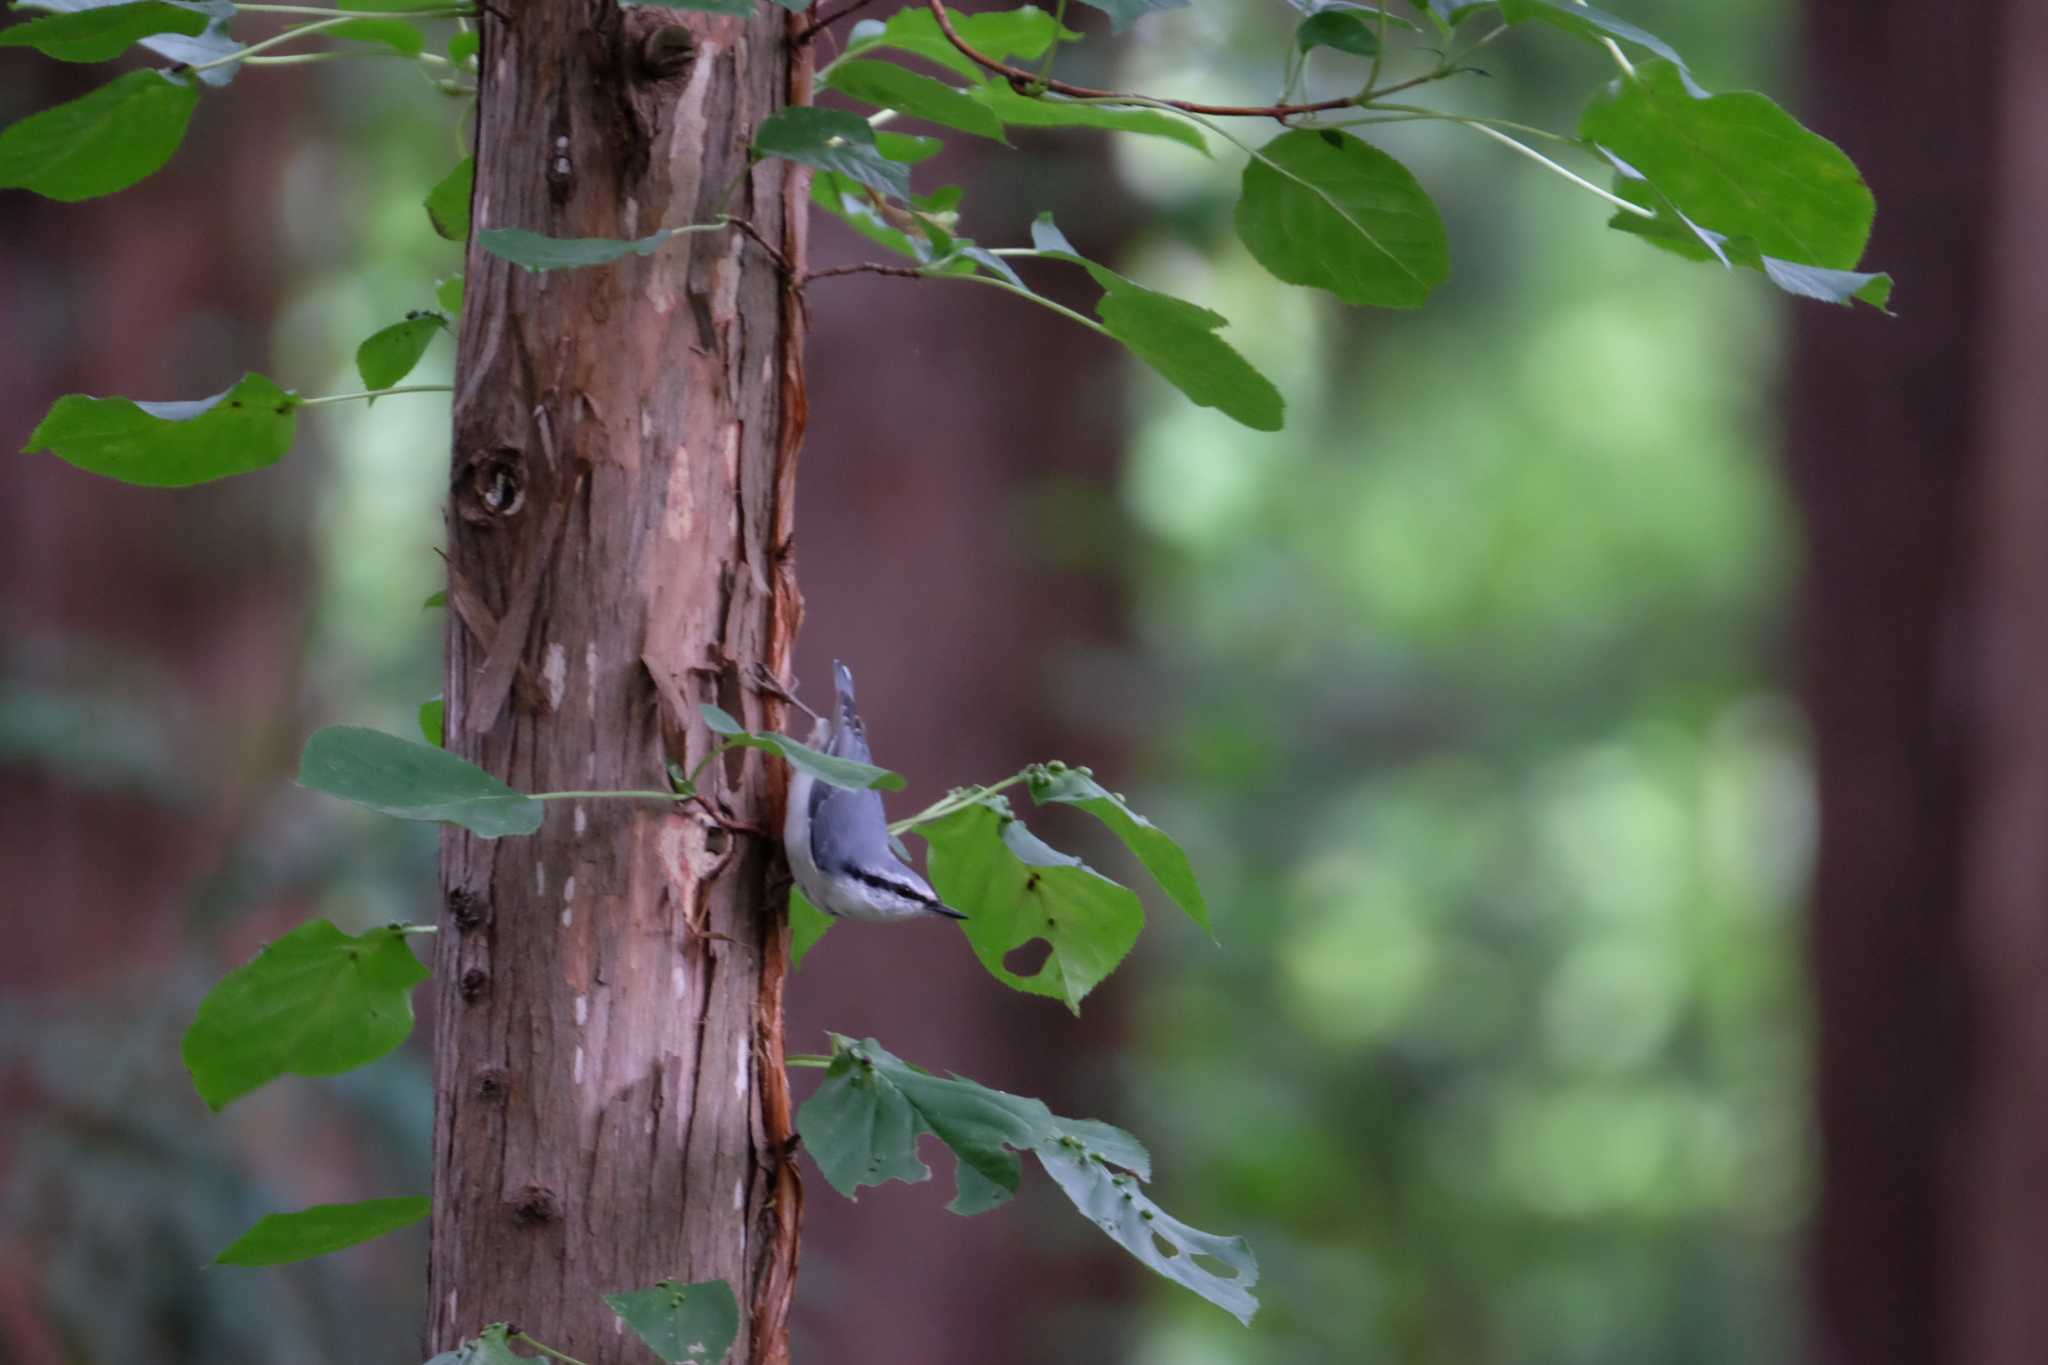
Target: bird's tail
{"x": 849, "y": 736}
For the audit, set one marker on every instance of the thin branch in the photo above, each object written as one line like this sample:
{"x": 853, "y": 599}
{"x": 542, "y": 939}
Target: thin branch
{"x": 774, "y": 251}
{"x": 908, "y": 272}
{"x": 1028, "y": 83}
{"x": 810, "y": 31}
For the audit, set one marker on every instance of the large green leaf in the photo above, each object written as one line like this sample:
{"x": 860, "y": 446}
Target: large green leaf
{"x": 1056, "y": 111}
{"x": 893, "y": 87}
{"x": 1026, "y": 32}
{"x": 1324, "y": 208}
{"x": 314, "y": 1003}
{"x": 283, "y": 1237}
{"x": 1735, "y": 163}
{"x": 832, "y": 140}
{"x": 185, "y": 48}
{"x": 100, "y": 142}
{"x": 413, "y": 781}
{"x": 1122, "y": 12}
{"x": 389, "y": 354}
{"x": 1162, "y": 857}
{"x": 171, "y": 445}
{"x": 863, "y": 1123}
{"x": 1017, "y": 891}
{"x": 447, "y": 204}
{"x": 103, "y": 33}
{"x": 1342, "y": 30}
{"x": 693, "y": 1323}
{"x": 840, "y": 772}
{"x": 537, "y": 252}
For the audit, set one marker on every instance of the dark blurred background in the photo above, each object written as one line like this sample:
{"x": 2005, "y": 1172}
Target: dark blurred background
{"x": 1607, "y": 723}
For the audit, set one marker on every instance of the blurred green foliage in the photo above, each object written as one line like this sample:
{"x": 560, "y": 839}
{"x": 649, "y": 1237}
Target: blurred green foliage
{"x": 1483, "y": 756}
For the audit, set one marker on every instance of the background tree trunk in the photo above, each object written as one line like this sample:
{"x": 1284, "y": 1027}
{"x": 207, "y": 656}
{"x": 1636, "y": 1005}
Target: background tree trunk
{"x": 611, "y": 1108}
{"x": 1917, "y": 451}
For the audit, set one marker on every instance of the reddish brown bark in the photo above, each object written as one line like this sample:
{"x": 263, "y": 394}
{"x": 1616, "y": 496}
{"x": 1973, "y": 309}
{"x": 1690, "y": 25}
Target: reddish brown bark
{"x": 1917, "y": 456}
{"x": 610, "y": 1096}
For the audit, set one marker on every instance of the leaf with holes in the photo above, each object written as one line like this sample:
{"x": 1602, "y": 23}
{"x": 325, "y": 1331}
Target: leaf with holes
{"x": 1735, "y": 163}
{"x": 100, "y": 142}
{"x": 413, "y": 782}
{"x": 389, "y": 355}
{"x": 866, "y": 1117}
{"x": 1162, "y": 857}
{"x": 315, "y": 1003}
{"x": 840, "y": 772}
{"x": 281, "y": 1238}
{"x": 171, "y": 445}
{"x": 832, "y": 140}
{"x": 693, "y": 1323}
{"x": 1323, "y": 208}
{"x": 1017, "y": 891}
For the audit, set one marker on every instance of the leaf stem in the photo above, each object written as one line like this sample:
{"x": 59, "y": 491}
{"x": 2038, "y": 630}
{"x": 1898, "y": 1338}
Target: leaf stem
{"x": 966, "y": 796}
{"x": 343, "y": 53}
{"x": 807, "y": 1059}
{"x": 316, "y": 401}
{"x": 405, "y": 929}
{"x": 524, "y": 1340}
{"x": 452, "y": 12}
{"x": 1544, "y": 161}
{"x": 289, "y": 35}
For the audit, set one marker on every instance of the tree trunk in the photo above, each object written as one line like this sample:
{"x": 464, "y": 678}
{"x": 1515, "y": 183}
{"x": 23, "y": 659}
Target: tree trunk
{"x": 611, "y": 1108}
{"x": 1917, "y": 452}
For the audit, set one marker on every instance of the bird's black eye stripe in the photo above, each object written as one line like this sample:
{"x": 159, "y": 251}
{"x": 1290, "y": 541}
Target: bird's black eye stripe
{"x": 903, "y": 889}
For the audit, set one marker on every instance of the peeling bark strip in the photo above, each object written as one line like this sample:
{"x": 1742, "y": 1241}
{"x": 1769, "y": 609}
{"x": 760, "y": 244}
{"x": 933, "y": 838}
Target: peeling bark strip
{"x": 611, "y": 1108}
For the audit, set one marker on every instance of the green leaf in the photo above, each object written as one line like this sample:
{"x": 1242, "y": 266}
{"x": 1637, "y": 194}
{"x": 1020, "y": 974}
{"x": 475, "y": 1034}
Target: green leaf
{"x": 860, "y": 209}
{"x": 1016, "y": 891}
{"x": 863, "y": 1123}
{"x": 1027, "y": 32}
{"x": 171, "y": 445}
{"x": 807, "y": 924}
{"x": 1056, "y": 111}
{"x": 1174, "y": 337}
{"x": 316, "y": 1002}
{"x": 434, "y": 721}
{"x": 102, "y": 33}
{"x": 694, "y": 1323}
{"x": 413, "y": 782}
{"x": 1584, "y": 21}
{"x": 1735, "y": 163}
{"x": 537, "y": 252}
{"x": 447, "y": 204}
{"x": 100, "y": 142}
{"x": 1323, "y": 208}
{"x": 908, "y": 148}
{"x": 861, "y": 1129}
{"x": 1162, "y": 857}
{"x": 435, "y": 599}
{"x": 840, "y": 772}
{"x": 324, "y": 1228}
{"x": 210, "y": 43}
{"x": 397, "y": 34}
{"x": 1119, "y": 1206}
{"x": 1122, "y": 12}
{"x": 832, "y": 140}
{"x": 448, "y": 293}
{"x": 893, "y": 87}
{"x": 389, "y": 355}
{"x": 1342, "y": 29}
{"x": 1830, "y": 286}
{"x": 1178, "y": 339}
{"x": 463, "y": 47}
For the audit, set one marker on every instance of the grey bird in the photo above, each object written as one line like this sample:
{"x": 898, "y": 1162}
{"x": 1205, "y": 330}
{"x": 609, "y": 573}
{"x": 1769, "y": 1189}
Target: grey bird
{"x": 838, "y": 840}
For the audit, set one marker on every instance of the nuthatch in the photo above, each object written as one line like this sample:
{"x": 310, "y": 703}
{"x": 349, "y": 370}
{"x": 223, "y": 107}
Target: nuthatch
{"x": 838, "y": 840}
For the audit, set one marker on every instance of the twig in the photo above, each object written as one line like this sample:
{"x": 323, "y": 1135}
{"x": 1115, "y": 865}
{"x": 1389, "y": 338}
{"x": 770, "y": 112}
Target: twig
{"x": 1029, "y": 83}
{"x": 805, "y": 34}
{"x": 774, "y": 251}
{"x": 908, "y": 272}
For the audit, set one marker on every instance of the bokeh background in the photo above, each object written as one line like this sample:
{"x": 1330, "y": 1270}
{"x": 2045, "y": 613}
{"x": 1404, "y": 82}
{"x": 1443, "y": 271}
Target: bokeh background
{"x": 1605, "y": 721}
